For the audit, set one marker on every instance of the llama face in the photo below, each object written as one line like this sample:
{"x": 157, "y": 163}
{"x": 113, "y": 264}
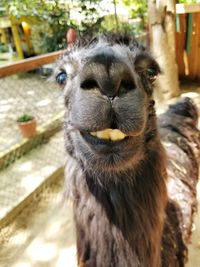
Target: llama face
{"x": 107, "y": 94}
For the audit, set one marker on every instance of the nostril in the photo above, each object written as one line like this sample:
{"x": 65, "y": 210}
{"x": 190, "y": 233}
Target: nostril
{"x": 126, "y": 86}
{"x": 89, "y": 84}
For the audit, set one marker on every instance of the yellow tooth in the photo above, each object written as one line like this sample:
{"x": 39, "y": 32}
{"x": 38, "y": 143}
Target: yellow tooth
{"x": 93, "y": 133}
{"x": 112, "y": 134}
{"x": 103, "y": 134}
{"x": 116, "y": 135}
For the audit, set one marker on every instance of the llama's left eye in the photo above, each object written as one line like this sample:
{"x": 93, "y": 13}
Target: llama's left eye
{"x": 61, "y": 78}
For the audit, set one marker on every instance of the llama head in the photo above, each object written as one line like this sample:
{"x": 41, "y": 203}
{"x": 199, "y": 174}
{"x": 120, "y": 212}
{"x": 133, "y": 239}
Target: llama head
{"x": 108, "y": 90}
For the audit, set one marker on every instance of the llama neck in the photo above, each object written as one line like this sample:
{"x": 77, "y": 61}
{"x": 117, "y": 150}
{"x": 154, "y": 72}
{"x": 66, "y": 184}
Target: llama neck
{"x": 134, "y": 207}
{"x": 131, "y": 199}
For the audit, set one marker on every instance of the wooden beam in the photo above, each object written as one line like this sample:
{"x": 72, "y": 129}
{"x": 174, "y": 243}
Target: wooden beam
{"x": 187, "y": 8}
{"x": 17, "y": 41}
{"x": 30, "y": 63}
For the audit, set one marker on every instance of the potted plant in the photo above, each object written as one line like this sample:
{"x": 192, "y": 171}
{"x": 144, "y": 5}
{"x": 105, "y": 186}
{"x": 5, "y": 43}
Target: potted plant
{"x": 27, "y": 125}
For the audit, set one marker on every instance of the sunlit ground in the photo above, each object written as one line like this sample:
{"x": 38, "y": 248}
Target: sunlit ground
{"x": 19, "y": 180}
{"x": 30, "y": 94}
{"x": 52, "y": 246}
{"x": 41, "y": 235}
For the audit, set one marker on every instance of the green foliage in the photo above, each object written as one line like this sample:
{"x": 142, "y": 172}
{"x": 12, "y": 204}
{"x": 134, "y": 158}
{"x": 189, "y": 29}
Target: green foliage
{"x": 3, "y": 48}
{"x": 188, "y": 1}
{"x": 35, "y": 8}
{"x": 57, "y": 23}
{"x": 54, "y": 19}
{"x": 90, "y": 11}
{"x": 108, "y": 24}
{"x": 25, "y": 118}
{"x": 51, "y": 13}
{"x": 94, "y": 24}
{"x": 137, "y": 8}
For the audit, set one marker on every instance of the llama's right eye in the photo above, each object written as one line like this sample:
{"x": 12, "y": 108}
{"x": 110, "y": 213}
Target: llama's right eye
{"x": 61, "y": 78}
{"x": 151, "y": 74}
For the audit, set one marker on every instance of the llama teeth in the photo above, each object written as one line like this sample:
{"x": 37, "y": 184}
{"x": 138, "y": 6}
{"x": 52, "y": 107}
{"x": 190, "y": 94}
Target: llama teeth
{"x": 93, "y": 133}
{"x": 112, "y": 134}
{"x": 116, "y": 135}
{"x": 103, "y": 134}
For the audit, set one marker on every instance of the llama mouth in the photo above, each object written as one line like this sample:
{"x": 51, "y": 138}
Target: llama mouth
{"x": 107, "y": 137}
{"x": 109, "y": 134}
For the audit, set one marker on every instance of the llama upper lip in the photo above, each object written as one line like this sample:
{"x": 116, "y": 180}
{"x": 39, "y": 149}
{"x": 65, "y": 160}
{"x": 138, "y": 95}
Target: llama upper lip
{"x": 109, "y": 134}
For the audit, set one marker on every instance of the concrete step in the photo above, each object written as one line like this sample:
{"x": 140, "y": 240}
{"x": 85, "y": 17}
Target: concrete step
{"x": 42, "y": 233}
{"x": 32, "y": 206}
{"x": 26, "y": 175}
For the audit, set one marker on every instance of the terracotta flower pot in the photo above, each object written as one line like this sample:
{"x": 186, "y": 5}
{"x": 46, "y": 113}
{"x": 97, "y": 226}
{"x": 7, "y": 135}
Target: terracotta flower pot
{"x": 28, "y": 128}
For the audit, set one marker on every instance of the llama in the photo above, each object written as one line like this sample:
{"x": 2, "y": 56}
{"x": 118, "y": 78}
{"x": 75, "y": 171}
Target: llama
{"x": 126, "y": 209}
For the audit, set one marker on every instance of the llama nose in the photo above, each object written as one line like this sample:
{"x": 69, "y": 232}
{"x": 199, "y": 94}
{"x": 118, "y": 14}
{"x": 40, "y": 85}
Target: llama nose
{"x": 108, "y": 73}
{"x": 118, "y": 81}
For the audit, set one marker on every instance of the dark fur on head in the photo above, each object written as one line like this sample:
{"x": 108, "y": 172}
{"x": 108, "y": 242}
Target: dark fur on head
{"x": 118, "y": 188}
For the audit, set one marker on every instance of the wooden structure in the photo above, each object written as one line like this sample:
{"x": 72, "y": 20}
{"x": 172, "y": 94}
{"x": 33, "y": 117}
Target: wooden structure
{"x": 188, "y": 40}
{"x": 29, "y": 64}
{"x": 19, "y": 29}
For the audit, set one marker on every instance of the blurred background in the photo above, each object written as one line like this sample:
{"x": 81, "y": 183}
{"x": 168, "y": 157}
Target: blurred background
{"x": 36, "y": 224}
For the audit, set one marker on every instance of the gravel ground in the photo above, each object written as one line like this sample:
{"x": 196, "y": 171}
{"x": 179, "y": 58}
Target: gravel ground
{"x": 30, "y": 94}
{"x": 22, "y": 178}
{"x": 42, "y": 235}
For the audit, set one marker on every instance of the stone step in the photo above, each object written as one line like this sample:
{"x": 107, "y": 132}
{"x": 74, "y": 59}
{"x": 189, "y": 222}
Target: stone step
{"x": 28, "y": 174}
{"x": 31, "y": 191}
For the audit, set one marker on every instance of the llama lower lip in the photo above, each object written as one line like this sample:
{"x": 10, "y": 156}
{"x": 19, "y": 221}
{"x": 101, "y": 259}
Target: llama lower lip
{"x": 93, "y": 140}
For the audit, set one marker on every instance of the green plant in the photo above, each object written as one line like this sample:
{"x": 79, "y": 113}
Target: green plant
{"x": 52, "y": 13}
{"x": 90, "y": 10}
{"x": 3, "y": 48}
{"x": 188, "y": 1}
{"x": 58, "y": 23}
{"x": 137, "y": 8}
{"x": 25, "y": 118}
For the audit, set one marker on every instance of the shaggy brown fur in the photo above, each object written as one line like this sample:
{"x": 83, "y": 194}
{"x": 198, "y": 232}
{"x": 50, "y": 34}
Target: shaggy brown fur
{"x": 123, "y": 214}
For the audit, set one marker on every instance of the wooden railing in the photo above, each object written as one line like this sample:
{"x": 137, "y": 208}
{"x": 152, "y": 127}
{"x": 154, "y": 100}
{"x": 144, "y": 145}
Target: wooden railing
{"x": 187, "y": 8}
{"x": 29, "y": 64}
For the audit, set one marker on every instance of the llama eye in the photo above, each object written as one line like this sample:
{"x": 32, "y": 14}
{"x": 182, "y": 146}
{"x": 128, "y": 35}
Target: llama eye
{"x": 61, "y": 78}
{"x": 151, "y": 74}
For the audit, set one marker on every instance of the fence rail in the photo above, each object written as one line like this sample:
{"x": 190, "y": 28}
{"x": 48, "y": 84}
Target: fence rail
{"x": 29, "y": 64}
{"x": 187, "y": 8}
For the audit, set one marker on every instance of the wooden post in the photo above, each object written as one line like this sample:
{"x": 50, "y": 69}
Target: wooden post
{"x": 162, "y": 40}
{"x": 26, "y": 30}
{"x": 17, "y": 40}
{"x": 3, "y": 36}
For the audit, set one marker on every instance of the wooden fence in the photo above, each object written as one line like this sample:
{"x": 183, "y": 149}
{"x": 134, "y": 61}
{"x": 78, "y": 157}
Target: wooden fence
{"x": 188, "y": 40}
{"x": 29, "y": 64}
